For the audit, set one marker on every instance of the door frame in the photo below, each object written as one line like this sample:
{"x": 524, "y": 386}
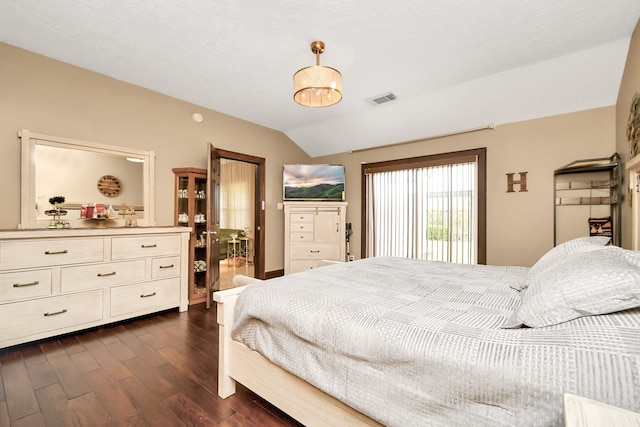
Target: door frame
{"x": 260, "y": 195}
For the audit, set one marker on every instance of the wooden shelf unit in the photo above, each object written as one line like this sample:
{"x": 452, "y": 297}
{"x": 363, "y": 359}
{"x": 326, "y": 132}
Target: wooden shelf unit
{"x": 190, "y": 211}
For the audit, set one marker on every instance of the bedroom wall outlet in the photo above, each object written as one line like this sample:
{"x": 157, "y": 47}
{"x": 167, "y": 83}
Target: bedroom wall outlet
{"x": 352, "y": 258}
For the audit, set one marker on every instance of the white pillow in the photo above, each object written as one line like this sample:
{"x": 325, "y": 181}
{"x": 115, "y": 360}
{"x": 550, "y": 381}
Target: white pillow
{"x": 581, "y": 244}
{"x": 556, "y": 254}
{"x": 582, "y": 284}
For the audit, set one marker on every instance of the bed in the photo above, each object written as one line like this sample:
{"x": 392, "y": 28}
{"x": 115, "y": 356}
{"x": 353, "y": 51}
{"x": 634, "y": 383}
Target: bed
{"x": 389, "y": 341}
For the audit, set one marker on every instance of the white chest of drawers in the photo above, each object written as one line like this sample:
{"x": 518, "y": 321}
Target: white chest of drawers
{"x": 314, "y": 231}
{"x": 59, "y": 281}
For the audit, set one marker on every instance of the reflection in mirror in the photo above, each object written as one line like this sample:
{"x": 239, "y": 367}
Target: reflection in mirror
{"x": 53, "y": 178}
{"x": 54, "y": 166}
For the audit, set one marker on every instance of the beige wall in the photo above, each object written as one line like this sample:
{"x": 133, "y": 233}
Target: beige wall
{"x": 520, "y": 224}
{"x": 55, "y": 98}
{"x": 629, "y": 86}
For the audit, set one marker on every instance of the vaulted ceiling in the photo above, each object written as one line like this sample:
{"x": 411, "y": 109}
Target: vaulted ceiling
{"x": 453, "y": 65}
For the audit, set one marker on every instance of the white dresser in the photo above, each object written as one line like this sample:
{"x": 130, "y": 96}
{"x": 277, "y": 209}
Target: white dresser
{"x": 314, "y": 231}
{"x": 58, "y": 281}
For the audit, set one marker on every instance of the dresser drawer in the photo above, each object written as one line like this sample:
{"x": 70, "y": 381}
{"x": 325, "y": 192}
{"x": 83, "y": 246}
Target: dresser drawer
{"x": 41, "y": 253}
{"x": 301, "y": 237}
{"x": 295, "y": 266}
{"x": 85, "y": 277}
{"x": 301, "y": 217}
{"x": 300, "y": 227}
{"x": 22, "y": 319}
{"x": 145, "y": 297}
{"x": 314, "y": 251}
{"x": 165, "y": 267}
{"x": 144, "y": 246}
{"x": 24, "y": 284}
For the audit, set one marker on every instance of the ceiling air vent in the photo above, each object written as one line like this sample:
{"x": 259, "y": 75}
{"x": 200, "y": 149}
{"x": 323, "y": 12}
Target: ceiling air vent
{"x": 381, "y": 99}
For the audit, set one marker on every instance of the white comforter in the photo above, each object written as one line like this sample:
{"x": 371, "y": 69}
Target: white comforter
{"x": 419, "y": 343}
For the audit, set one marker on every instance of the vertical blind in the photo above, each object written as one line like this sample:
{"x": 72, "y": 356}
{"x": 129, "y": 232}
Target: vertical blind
{"x": 426, "y": 212}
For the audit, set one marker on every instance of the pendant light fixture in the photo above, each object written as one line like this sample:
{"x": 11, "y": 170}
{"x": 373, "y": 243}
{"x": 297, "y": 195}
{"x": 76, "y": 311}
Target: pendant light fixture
{"x": 317, "y": 86}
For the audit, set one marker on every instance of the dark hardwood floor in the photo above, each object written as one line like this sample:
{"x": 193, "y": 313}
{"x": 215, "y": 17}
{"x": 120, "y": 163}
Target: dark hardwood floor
{"x": 158, "y": 370}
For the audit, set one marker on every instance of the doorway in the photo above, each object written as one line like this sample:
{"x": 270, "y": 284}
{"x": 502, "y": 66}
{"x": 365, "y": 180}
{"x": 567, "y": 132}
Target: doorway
{"x": 241, "y": 216}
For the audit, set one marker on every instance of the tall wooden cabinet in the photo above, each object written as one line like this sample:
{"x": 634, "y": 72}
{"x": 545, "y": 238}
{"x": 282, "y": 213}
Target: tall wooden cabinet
{"x": 190, "y": 210}
{"x": 314, "y": 231}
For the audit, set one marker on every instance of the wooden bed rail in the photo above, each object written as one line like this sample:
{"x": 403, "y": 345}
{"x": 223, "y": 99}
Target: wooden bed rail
{"x": 226, "y": 302}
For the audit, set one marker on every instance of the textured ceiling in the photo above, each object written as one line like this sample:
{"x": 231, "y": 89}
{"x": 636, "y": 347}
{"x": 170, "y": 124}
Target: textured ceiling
{"x": 453, "y": 64}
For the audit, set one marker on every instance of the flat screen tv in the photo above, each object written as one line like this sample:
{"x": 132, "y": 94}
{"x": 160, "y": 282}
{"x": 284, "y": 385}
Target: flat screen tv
{"x": 313, "y": 182}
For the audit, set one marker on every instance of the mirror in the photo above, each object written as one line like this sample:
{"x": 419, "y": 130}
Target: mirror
{"x": 84, "y": 173}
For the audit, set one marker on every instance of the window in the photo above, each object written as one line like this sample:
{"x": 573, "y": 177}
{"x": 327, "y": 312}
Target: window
{"x": 430, "y": 207}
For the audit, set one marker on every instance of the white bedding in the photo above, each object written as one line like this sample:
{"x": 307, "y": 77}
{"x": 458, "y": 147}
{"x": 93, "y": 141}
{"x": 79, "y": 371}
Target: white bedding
{"x": 411, "y": 342}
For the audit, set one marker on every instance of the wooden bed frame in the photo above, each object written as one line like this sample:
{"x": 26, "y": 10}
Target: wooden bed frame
{"x": 313, "y": 407}
{"x": 297, "y": 398}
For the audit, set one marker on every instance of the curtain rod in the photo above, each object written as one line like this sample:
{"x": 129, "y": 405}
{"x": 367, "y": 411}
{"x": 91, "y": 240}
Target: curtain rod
{"x": 443, "y": 135}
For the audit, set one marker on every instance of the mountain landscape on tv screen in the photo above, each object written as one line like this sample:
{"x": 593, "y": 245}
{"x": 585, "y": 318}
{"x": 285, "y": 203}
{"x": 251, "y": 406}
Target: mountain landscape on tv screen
{"x": 320, "y": 191}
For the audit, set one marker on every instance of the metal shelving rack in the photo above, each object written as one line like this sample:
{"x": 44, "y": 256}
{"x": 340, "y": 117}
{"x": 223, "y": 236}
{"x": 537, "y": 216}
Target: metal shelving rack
{"x": 603, "y": 174}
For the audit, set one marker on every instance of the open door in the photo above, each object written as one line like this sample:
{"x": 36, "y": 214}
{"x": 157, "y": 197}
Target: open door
{"x": 257, "y": 234}
{"x": 213, "y": 221}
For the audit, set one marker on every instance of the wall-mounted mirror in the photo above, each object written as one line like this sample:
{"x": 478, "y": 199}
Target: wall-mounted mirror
{"x": 56, "y": 166}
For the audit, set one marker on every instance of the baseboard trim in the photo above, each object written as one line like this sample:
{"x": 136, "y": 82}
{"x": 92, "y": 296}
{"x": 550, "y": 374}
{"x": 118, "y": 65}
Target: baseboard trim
{"x": 273, "y": 274}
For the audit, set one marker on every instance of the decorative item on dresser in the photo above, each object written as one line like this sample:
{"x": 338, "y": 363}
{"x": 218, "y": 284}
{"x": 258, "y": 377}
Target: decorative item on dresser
{"x": 59, "y": 281}
{"x": 314, "y": 231}
{"x": 190, "y": 209}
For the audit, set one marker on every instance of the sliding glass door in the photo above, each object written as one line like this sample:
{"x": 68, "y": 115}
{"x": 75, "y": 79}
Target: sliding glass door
{"x": 428, "y": 208}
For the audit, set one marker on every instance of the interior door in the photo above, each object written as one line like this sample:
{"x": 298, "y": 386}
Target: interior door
{"x": 213, "y": 221}
{"x": 260, "y": 196}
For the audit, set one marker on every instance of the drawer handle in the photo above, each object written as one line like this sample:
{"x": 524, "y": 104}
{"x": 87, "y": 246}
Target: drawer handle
{"x": 56, "y": 252}
{"x": 315, "y": 252}
{"x": 148, "y": 295}
{"x": 113, "y": 273}
{"x": 149, "y": 246}
{"x": 57, "y": 312}
{"x": 22, "y": 285}
{"x": 167, "y": 266}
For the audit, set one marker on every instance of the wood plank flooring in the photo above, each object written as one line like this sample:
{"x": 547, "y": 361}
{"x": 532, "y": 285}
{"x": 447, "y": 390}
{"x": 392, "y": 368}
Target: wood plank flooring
{"x": 157, "y": 370}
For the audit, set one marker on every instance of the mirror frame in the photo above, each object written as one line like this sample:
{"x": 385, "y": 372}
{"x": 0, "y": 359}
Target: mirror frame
{"x": 30, "y": 140}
